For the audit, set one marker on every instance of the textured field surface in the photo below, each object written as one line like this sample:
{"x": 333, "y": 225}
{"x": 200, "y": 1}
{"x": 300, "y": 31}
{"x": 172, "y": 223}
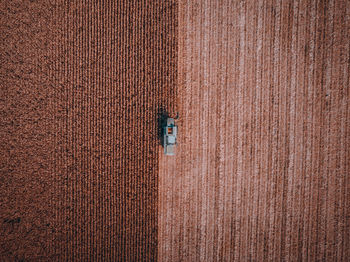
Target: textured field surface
{"x": 82, "y": 86}
{"x": 262, "y": 165}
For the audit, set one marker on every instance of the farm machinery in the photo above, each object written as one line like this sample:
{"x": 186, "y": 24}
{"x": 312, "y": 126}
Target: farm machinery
{"x": 170, "y": 132}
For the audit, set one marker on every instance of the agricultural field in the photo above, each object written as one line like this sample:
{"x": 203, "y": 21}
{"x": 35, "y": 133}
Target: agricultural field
{"x": 83, "y": 86}
{"x": 261, "y": 170}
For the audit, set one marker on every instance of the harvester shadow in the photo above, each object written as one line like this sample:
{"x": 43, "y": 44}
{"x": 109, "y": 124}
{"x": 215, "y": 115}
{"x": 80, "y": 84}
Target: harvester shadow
{"x": 162, "y": 116}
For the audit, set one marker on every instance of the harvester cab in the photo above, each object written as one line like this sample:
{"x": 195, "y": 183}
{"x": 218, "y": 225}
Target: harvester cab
{"x": 170, "y": 132}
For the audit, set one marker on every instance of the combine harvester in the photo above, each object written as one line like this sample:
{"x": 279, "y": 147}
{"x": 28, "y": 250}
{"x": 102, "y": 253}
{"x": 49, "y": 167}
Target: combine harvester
{"x": 170, "y": 132}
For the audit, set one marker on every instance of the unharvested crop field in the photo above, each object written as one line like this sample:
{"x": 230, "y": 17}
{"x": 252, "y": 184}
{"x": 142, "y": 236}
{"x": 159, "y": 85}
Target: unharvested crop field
{"x": 82, "y": 86}
{"x": 262, "y": 165}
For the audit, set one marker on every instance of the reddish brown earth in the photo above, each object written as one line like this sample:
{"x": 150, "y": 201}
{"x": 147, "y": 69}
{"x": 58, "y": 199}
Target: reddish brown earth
{"x": 82, "y": 83}
{"x": 262, "y": 165}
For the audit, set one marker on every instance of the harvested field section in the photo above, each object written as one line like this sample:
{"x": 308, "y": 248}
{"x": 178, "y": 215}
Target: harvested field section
{"x": 83, "y": 83}
{"x": 262, "y": 165}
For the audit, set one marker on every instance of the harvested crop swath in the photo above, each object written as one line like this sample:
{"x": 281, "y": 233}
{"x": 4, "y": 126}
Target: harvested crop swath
{"x": 262, "y": 170}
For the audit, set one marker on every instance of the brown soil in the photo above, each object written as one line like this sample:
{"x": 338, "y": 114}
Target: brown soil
{"x": 262, "y": 165}
{"x": 82, "y": 86}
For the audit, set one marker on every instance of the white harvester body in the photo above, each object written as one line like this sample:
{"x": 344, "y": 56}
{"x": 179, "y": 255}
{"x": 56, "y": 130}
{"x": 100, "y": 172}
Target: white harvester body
{"x": 170, "y": 132}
